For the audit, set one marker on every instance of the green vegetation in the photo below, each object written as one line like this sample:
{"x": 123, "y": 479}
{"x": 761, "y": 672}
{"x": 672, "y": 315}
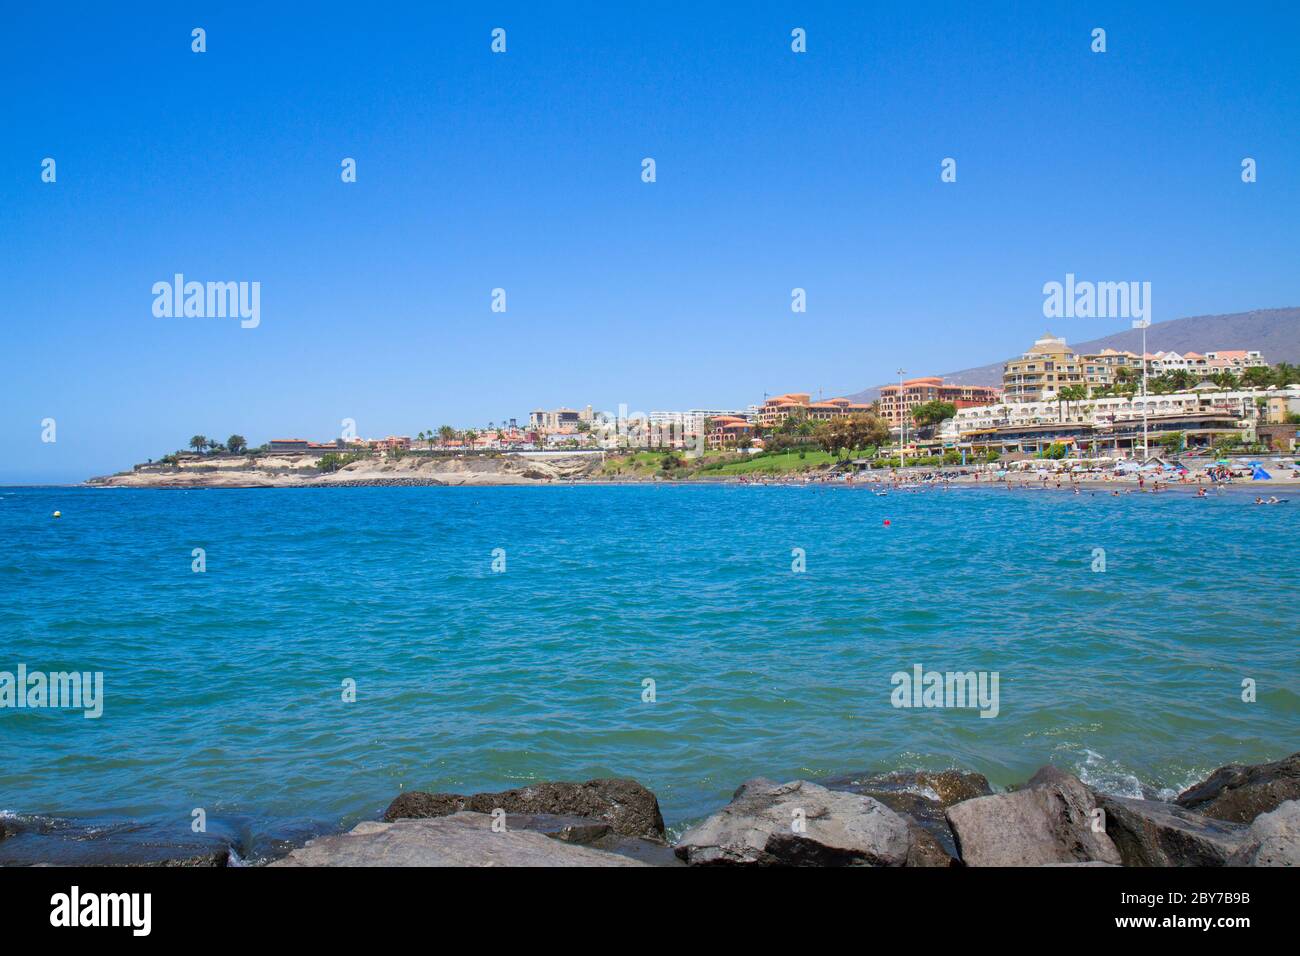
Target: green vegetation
{"x": 933, "y": 413}
{"x": 841, "y": 435}
{"x": 769, "y": 464}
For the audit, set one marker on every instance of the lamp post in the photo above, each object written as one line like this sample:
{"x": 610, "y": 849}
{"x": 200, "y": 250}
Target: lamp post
{"x": 1142, "y": 324}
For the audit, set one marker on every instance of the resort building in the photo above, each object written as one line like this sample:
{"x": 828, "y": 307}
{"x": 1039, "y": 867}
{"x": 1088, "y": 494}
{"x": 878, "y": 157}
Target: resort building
{"x": 558, "y": 419}
{"x": 778, "y": 408}
{"x": 288, "y": 444}
{"x": 1233, "y": 360}
{"x": 1116, "y": 423}
{"x": 1100, "y": 368}
{"x": 1040, "y": 373}
{"x": 728, "y": 431}
{"x": 897, "y": 401}
{"x": 1052, "y": 365}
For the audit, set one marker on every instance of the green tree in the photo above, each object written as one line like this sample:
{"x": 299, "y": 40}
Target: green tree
{"x": 1258, "y": 376}
{"x": 933, "y": 413}
{"x": 846, "y": 433}
{"x": 446, "y": 433}
{"x": 199, "y": 443}
{"x": 236, "y": 444}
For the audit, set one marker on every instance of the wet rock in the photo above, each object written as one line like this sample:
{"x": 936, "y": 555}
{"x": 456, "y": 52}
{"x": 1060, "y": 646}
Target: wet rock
{"x": 944, "y": 787}
{"x": 595, "y": 834}
{"x": 459, "y": 839}
{"x": 798, "y": 824}
{"x": 921, "y": 795}
{"x": 1239, "y": 793}
{"x": 217, "y": 858}
{"x": 627, "y": 807}
{"x": 1048, "y": 821}
{"x": 926, "y": 850}
{"x": 1273, "y": 839}
{"x": 1152, "y": 833}
{"x": 580, "y": 830}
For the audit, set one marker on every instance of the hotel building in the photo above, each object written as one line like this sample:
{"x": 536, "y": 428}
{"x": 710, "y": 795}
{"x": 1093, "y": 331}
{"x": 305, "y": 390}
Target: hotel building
{"x": 800, "y": 405}
{"x": 897, "y": 402}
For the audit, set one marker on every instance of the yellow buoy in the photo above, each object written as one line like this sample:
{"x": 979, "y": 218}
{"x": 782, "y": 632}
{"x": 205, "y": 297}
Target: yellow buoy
{"x": 58, "y": 514}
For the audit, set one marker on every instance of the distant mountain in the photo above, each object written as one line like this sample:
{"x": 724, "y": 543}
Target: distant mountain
{"x": 1275, "y": 332}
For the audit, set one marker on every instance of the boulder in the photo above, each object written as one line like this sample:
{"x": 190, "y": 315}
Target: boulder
{"x": 1273, "y": 839}
{"x": 629, "y": 808}
{"x": 1240, "y": 793}
{"x": 460, "y": 839}
{"x": 798, "y": 824}
{"x": 1048, "y": 821}
{"x": 1152, "y": 833}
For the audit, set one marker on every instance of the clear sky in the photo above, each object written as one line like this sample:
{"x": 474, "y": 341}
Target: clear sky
{"x": 522, "y": 171}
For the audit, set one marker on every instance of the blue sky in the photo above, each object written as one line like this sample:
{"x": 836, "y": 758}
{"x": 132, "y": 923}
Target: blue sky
{"x": 522, "y": 171}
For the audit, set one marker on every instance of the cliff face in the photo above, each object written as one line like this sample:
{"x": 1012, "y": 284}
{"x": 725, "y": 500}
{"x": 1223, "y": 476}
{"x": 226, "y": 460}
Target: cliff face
{"x": 296, "y": 471}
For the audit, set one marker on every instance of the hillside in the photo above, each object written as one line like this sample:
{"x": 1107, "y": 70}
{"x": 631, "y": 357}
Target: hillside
{"x": 1275, "y": 332}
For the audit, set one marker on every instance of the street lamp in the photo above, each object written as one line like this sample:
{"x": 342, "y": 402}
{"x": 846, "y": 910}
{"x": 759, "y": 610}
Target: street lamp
{"x": 1142, "y": 324}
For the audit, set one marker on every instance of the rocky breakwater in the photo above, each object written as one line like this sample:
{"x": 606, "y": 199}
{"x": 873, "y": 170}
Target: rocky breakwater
{"x": 901, "y": 819}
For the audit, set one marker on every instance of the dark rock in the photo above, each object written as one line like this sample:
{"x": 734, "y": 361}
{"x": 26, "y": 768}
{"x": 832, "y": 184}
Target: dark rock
{"x": 944, "y": 787}
{"x": 798, "y": 824}
{"x": 596, "y": 834}
{"x": 581, "y": 830}
{"x": 926, "y": 850}
{"x": 922, "y": 795}
{"x": 629, "y": 808}
{"x": 217, "y": 858}
{"x": 1048, "y": 821}
{"x": 459, "y": 839}
{"x": 1239, "y": 793}
{"x": 1273, "y": 839}
{"x": 1151, "y": 833}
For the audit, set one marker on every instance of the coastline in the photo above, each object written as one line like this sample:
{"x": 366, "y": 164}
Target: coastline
{"x": 914, "y": 818}
{"x": 301, "y": 471}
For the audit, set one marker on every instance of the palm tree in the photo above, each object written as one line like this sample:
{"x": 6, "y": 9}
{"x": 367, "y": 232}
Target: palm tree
{"x": 446, "y": 433}
{"x": 199, "y": 443}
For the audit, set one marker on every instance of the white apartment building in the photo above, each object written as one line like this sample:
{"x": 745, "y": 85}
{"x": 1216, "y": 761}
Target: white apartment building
{"x": 1242, "y": 403}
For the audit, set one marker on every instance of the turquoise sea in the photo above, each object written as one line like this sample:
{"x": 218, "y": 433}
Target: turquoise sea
{"x": 223, "y": 690}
